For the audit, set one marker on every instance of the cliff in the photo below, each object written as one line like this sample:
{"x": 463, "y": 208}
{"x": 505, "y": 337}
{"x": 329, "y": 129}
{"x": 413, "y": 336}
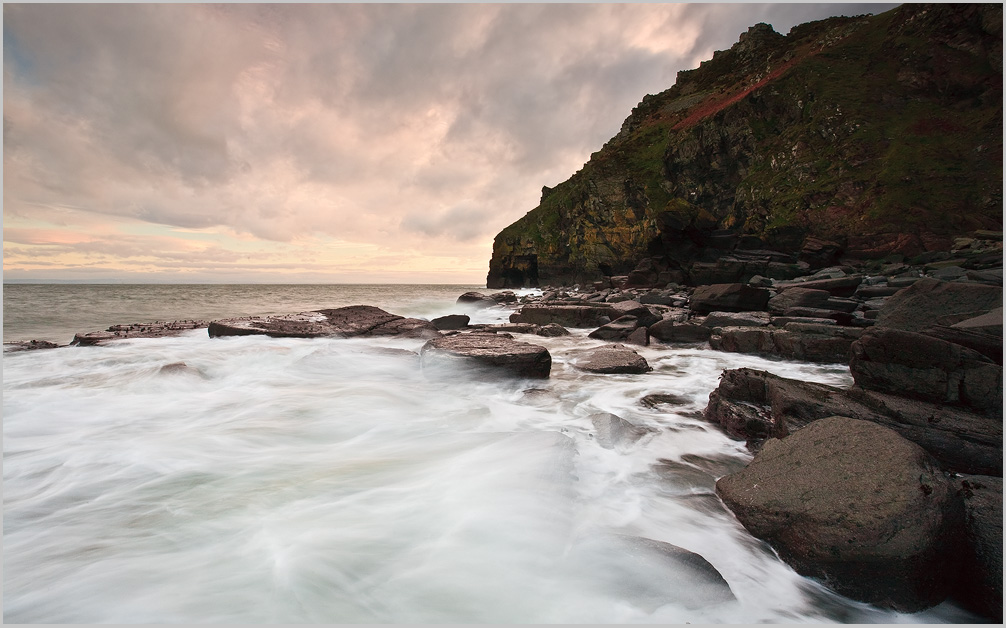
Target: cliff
{"x": 851, "y": 137}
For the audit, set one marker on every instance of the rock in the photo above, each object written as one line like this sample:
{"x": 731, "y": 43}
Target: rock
{"x": 797, "y": 297}
{"x": 180, "y": 368}
{"x": 782, "y": 321}
{"x": 736, "y": 319}
{"x": 842, "y": 318}
{"x": 753, "y": 405}
{"x": 577, "y": 316}
{"x": 343, "y": 322}
{"x": 637, "y": 309}
{"x": 929, "y": 302}
{"x": 872, "y": 292}
{"x": 613, "y": 432}
{"x": 488, "y": 356}
{"x": 728, "y": 297}
{"x": 136, "y": 330}
{"x": 552, "y": 330}
{"x": 797, "y": 341}
{"x": 504, "y": 297}
{"x": 618, "y": 329}
{"x": 836, "y": 286}
{"x": 656, "y": 400}
{"x": 28, "y": 345}
{"x": 856, "y": 505}
{"x": 656, "y": 298}
{"x": 612, "y": 359}
{"x": 672, "y": 331}
{"x": 981, "y": 584}
{"x": 451, "y": 321}
{"x": 927, "y": 368}
{"x": 476, "y": 299}
{"x": 639, "y": 337}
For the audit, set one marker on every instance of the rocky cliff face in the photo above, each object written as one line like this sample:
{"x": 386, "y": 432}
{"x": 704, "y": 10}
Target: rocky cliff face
{"x": 849, "y": 137}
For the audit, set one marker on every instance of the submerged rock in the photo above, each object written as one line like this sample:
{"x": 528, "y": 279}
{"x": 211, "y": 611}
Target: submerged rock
{"x": 136, "y": 330}
{"x": 343, "y": 322}
{"x": 28, "y": 345}
{"x": 612, "y": 359}
{"x": 451, "y": 321}
{"x": 613, "y": 432}
{"x": 856, "y": 505}
{"x": 486, "y": 356}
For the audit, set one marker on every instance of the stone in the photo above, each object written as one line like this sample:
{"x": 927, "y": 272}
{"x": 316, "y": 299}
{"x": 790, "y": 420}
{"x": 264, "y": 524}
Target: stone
{"x": 343, "y": 322}
{"x": 728, "y": 297}
{"x": 736, "y": 319}
{"x": 613, "y": 432}
{"x": 797, "y": 341}
{"x": 836, "y": 286}
{"x": 782, "y": 321}
{"x": 669, "y": 330}
{"x": 857, "y": 506}
{"x": 637, "y": 309}
{"x": 753, "y": 405}
{"x": 639, "y": 337}
{"x": 136, "y": 330}
{"x": 612, "y": 359}
{"x": 927, "y": 368}
{"x": 871, "y": 292}
{"x": 552, "y": 330}
{"x": 842, "y": 318}
{"x": 28, "y": 345}
{"x": 577, "y": 316}
{"x": 487, "y": 356}
{"x": 981, "y": 584}
{"x": 476, "y": 299}
{"x": 451, "y": 321}
{"x": 655, "y": 298}
{"x": 506, "y": 296}
{"x": 618, "y": 329}
{"x": 929, "y": 302}
{"x": 797, "y": 297}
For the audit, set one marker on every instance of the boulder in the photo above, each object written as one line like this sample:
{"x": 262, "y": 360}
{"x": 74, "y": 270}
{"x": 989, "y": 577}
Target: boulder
{"x": 837, "y": 286}
{"x": 634, "y": 308}
{"x": 343, "y": 322}
{"x": 797, "y": 341}
{"x": 451, "y": 321}
{"x": 487, "y": 356}
{"x": 857, "y": 506}
{"x": 669, "y": 330}
{"x": 618, "y": 329}
{"x": 797, "y": 297}
{"x": 981, "y": 584}
{"x": 728, "y": 297}
{"x": 639, "y": 337}
{"x": 929, "y": 302}
{"x": 753, "y": 405}
{"x": 612, "y": 359}
{"x": 577, "y": 316}
{"x": 504, "y": 297}
{"x": 476, "y": 299}
{"x": 552, "y": 330}
{"x": 28, "y": 345}
{"x": 613, "y": 432}
{"x": 923, "y": 367}
{"x": 736, "y": 319}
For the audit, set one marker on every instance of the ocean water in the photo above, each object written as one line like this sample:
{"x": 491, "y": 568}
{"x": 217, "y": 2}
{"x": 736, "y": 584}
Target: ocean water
{"x": 333, "y": 481}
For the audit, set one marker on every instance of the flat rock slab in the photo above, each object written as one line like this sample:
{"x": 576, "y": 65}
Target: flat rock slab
{"x": 612, "y": 359}
{"x": 929, "y": 302}
{"x": 28, "y": 345}
{"x": 729, "y": 297}
{"x": 343, "y": 322}
{"x": 136, "y": 330}
{"x": 837, "y": 286}
{"x": 736, "y": 319}
{"x": 856, "y": 505}
{"x": 576, "y": 316}
{"x": 486, "y": 356}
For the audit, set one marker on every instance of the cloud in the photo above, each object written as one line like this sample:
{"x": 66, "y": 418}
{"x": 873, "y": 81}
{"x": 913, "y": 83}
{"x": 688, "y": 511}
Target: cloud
{"x": 422, "y": 127}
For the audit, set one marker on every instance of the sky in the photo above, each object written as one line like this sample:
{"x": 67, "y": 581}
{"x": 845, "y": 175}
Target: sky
{"x": 318, "y": 143}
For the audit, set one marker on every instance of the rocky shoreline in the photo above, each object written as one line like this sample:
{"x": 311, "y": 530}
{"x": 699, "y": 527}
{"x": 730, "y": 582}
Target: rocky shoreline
{"x": 889, "y": 491}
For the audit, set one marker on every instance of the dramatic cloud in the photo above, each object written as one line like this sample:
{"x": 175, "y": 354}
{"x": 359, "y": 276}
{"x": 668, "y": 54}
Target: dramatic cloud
{"x": 319, "y": 142}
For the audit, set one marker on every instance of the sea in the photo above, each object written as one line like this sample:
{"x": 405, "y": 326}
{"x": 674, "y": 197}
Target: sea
{"x": 264, "y": 480}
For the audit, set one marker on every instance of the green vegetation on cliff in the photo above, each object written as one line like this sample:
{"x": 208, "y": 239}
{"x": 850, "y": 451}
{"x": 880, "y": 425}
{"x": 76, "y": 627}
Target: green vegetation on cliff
{"x": 879, "y": 133}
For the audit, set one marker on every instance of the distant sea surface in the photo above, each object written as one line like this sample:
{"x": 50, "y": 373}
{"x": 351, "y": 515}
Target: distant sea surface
{"x": 55, "y": 312}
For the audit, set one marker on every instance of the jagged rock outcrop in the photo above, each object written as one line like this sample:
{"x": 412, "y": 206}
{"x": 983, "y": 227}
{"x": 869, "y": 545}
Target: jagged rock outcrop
{"x": 853, "y": 137}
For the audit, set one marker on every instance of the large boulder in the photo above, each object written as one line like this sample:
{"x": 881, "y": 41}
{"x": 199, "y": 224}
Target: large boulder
{"x": 476, "y": 300}
{"x": 343, "y": 322}
{"x": 920, "y": 366}
{"x": 577, "y": 316}
{"x": 754, "y": 405}
{"x": 618, "y": 329}
{"x": 856, "y": 505}
{"x": 451, "y": 321}
{"x": 612, "y": 359}
{"x": 981, "y": 584}
{"x": 669, "y": 330}
{"x": 486, "y": 356}
{"x": 929, "y": 302}
{"x": 728, "y": 297}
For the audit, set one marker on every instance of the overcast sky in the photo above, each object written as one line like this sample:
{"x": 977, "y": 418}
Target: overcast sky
{"x": 322, "y": 142}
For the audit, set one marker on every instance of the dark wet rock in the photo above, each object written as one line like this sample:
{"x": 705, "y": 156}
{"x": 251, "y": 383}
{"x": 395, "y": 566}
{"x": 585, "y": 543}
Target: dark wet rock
{"x": 637, "y": 309}
{"x": 729, "y": 297}
{"x": 343, "y": 322}
{"x": 476, "y": 299}
{"x": 657, "y": 298}
{"x": 656, "y": 400}
{"x": 782, "y": 321}
{"x": 451, "y": 321}
{"x": 509, "y": 328}
{"x": 981, "y": 584}
{"x": 180, "y": 368}
{"x": 537, "y": 396}
{"x": 504, "y": 297}
{"x": 669, "y": 330}
{"x": 872, "y": 292}
{"x": 577, "y": 316}
{"x": 612, "y": 359}
{"x": 618, "y": 329}
{"x": 797, "y": 297}
{"x": 650, "y": 573}
{"x": 736, "y": 319}
{"x": 929, "y": 302}
{"x": 613, "y": 432}
{"x": 639, "y": 337}
{"x": 136, "y": 330}
{"x": 856, "y": 505}
{"x": 753, "y": 405}
{"x": 797, "y": 341}
{"x": 927, "y": 368}
{"x": 552, "y": 330}
{"x": 487, "y": 356}
{"x": 841, "y": 318}
{"x": 28, "y": 345}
